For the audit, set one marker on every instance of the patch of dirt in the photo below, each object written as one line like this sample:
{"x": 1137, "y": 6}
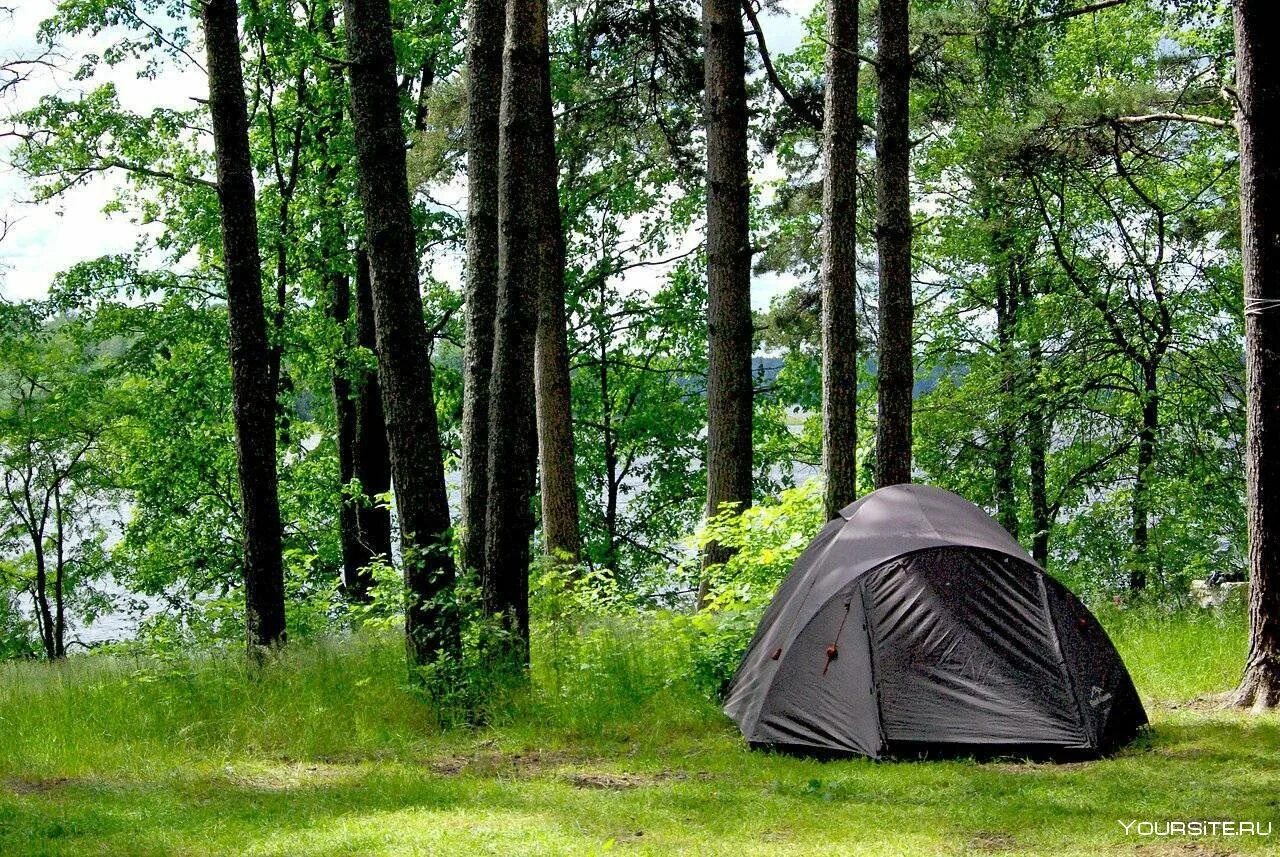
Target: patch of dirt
{"x": 494, "y": 763}
{"x": 287, "y": 777}
{"x": 34, "y": 785}
{"x": 531, "y": 763}
{"x": 1206, "y": 704}
{"x": 1181, "y": 849}
{"x": 611, "y": 782}
{"x": 988, "y": 842}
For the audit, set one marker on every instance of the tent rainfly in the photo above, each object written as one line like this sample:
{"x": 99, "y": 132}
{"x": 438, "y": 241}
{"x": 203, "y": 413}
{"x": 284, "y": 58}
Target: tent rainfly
{"x": 915, "y": 624}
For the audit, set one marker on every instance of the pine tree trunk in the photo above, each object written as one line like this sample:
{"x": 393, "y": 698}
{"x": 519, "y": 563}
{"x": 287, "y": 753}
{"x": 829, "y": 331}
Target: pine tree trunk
{"x": 348, "y": 385}
{"x": 372, "y": 462}
{"x": 346, "y": 412}
{"x": 559, "y": 480}
{"x": 251, "y": 388}
{"x": 404, "y": 350}
{"x": 1258, "y": 85}
{"x": 729, "y": 329}
{"x": 893, "y": 242}
{"x": 524, "y": 255}
{"x": 486, "y": 20}
{"x": 365, "y": 526}
{"x": 609, "y": 439}
{"x": 1006, "y": 425}
{"x": 1038, "y": 429}
{"x": 1147, "y": 433}
{"x": 839, "y": 260}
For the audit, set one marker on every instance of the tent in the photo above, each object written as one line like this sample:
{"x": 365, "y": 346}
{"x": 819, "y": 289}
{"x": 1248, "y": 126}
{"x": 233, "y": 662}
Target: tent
{"x": 913, "y": 623}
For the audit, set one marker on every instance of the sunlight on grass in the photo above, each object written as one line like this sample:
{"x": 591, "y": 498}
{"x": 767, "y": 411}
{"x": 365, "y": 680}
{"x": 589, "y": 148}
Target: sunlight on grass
{"x": 327, "y": 752}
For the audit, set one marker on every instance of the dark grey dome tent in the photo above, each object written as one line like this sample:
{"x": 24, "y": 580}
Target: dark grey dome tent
{"x": 914, "y": 624}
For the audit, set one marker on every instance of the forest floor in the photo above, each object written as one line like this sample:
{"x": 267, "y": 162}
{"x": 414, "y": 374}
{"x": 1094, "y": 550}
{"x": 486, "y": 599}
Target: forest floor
{"x": 327, "y": 754}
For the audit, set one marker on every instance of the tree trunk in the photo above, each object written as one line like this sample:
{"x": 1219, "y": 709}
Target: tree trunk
{"x": 729, "y": 330}
{"x": 524, "y": 254}
{"x": 1006, "y": 425}
{"x": 346, "y": 404}
{"x": 1038, "y": 430}
{"x": 364, "y": 530}
{"x": 893, "y": 243}
{"x": 1258, "y": 85}
{"x": 252, "y": 393}
{"x": 559, "y": 481}
{"x": 59, "y": 578}
{"x": 372, "y": 462}
{"x": 484, "y": 90}
{"x": 612, "y": 482}
{"x": 840, "y": 259}
{"x": 44, "y": 616}
{"x": 404, "y": 350}
{"x": 1147, "y": 433}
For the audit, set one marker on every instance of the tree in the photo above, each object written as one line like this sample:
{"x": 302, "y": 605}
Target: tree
{"x": 529, "y": 258}
{"x": 57, "y": 405}
{"x": 1258, "y": 89}
{"x": 630, "y": 196}
{"x": 485, "y": 25}
{"x": 840, "y": 259}
{"x": 729, "y": 325}
{"x": 561, "y": 537}
{"x": 252, "y": 387}
{"x": 364, "y": 462}
{"x": 896, "y": 370}
{"x": 403, "y": 346}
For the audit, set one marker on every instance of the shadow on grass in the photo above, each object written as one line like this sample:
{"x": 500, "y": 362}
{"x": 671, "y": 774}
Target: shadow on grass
{"x": 710, "y": 798}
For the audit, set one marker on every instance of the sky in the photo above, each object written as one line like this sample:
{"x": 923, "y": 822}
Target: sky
{"x": 47, "y": 237}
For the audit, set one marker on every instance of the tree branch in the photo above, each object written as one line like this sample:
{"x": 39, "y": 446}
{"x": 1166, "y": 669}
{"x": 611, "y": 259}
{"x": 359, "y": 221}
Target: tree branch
{"x": 1193, "y": 118}
{"x": 797, "y": 106}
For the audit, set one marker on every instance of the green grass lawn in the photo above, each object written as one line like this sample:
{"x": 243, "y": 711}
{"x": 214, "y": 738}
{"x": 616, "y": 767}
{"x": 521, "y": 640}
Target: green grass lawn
{"x": 326, "y": 753}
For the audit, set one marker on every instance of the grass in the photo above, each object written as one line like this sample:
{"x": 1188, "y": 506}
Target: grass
{"x": 326, "y": 753}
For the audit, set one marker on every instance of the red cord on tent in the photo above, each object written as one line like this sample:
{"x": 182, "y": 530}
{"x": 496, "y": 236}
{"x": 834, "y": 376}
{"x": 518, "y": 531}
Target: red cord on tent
{"x": 833, "y": 650}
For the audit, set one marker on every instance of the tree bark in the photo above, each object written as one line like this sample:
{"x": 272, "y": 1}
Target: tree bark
{"x": 346, "y": 411}
{"x": 1006, "y": 425}
{"x": 365, "y": 526}
{"x": 486, "y": 20}
{"x": 609, "y": 439}
{"x": 1038, "y": 431}
{"x": 59, "y": 578}
{"x": 839, "y": 259}
{"x": 561, "y": 538}
{"x": 404, "y": 350}
{"x": 1147, "y": 433}
{"x": 44, "y": 615}
{"x": 893, "y": 242}
{"x": 372, "y": 462}
{"x": 729, "y": 329}
{"x": 525, "y": 253}
{"x": 1258, "y": 86}
{"x": 253, "y": 397}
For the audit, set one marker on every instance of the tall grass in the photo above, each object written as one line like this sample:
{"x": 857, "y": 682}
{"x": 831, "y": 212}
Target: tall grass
{"x": 1176, "y": 656}
{"x": 326, "y": 698}
{"x": 348, "y": 699}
